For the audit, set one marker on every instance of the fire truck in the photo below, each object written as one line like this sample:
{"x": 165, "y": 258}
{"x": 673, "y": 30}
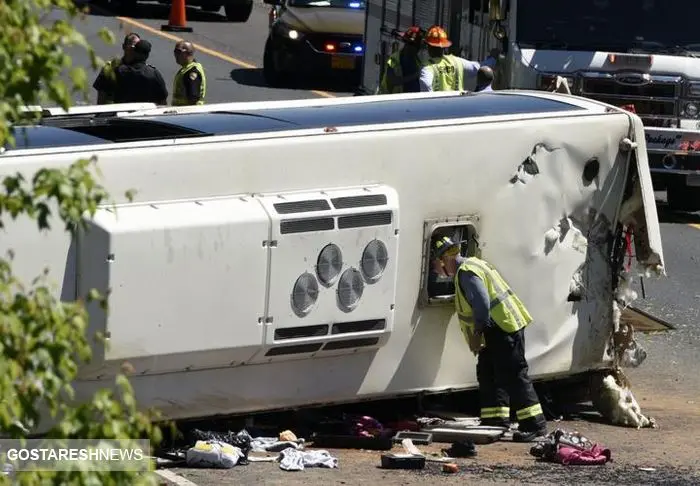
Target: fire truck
{"x": 637, "y": 54}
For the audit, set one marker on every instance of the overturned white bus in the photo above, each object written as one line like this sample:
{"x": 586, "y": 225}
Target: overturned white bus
{"x": 277, "y": 253}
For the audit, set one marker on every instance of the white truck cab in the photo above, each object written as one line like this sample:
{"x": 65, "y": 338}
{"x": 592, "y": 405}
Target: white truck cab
{"x": 640, "y": 54}
{"x": 278, "y": 254}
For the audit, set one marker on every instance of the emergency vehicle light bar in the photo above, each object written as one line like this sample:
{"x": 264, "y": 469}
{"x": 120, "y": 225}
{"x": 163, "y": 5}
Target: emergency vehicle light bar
{"x": 92, "y": 109}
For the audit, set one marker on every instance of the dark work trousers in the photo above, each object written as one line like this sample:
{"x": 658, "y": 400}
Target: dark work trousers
{"x": 502, "y": 372}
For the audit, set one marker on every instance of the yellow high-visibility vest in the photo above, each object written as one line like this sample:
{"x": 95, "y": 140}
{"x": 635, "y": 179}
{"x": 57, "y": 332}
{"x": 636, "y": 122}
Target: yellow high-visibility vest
{"x": 506, "y": 309}
{"x": 179, "y": 98}
{"x": 448, "y": 74}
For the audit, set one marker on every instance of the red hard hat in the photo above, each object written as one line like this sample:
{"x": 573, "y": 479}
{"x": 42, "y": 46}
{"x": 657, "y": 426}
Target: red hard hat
{"x": 412, "y": 35}
{"x": 437, "y": 37}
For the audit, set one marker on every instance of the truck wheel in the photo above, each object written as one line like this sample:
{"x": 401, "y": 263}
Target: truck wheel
{"x": 211, "y": 8}
{"x": 681, "y": 197}
{"x": 271, "y": 72}
{"x": 239, "y": 11}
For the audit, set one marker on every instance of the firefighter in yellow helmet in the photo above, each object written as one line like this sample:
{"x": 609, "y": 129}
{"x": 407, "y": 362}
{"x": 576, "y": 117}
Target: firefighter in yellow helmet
{"x": 190, "y": 83}
{"x": 445, "y": 72}
{"x": 493, "y": 320}
{"x": 403, "y": 67}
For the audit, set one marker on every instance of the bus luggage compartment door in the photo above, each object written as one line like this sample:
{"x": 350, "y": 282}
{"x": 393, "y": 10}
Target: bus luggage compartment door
{"x": 187, "y": 283}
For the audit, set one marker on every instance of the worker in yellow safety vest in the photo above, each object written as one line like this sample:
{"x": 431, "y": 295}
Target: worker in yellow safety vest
{"x": 403, "y": 66}
{"x": 445, "y": 72}
{"x": 190, "y": 83}
{"x": 105, "y": 82}
{"x": 493, "y": 320}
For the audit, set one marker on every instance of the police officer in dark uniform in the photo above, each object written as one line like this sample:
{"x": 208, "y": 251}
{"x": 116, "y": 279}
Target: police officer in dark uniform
{"x": 139, "y": 82}
{"x": 104, "y": 83}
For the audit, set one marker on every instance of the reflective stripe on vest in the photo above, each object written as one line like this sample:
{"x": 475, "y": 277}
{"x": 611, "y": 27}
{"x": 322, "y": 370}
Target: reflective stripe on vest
{"x": 506, "y": 309}
{"x": 179, "y": 98}
{"x": 448, "y": 74}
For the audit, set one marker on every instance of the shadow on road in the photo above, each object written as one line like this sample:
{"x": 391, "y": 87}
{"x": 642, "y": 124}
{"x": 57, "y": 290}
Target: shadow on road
{"x": 581, "y": 411}
{"x": 666, "y": 215}
{"x": 249, "y": 77}
{"x": 254, "y": 77}
{"x": 152, "y": 11}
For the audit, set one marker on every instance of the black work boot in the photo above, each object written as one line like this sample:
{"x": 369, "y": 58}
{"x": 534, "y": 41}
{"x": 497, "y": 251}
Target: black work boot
{"x": 529, "y": 435}
{"x": 495, "y": 422}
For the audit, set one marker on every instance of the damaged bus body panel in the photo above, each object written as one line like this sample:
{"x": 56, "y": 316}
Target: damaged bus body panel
{"x": 276, "y": 254}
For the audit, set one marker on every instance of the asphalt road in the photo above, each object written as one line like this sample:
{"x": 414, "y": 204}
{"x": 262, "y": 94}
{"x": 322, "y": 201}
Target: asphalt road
{"x": 673, "y": 357}
{"x": 230, "y": 52}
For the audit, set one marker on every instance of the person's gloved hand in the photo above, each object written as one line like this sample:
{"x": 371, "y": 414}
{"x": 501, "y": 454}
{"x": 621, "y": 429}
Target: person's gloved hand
{"x": 475, "y": 341}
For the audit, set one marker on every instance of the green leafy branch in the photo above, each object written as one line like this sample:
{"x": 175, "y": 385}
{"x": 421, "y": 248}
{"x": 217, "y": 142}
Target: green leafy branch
{"x": 42, "y": 339}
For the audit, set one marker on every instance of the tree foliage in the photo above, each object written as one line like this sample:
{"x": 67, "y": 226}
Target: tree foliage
{"x": 43, "y": 340}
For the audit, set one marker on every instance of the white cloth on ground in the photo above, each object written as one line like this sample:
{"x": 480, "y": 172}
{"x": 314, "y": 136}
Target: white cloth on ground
{"x": 295, "y": 460}
{"x": 213, "y": 454}
{"x": 272, "y": 444}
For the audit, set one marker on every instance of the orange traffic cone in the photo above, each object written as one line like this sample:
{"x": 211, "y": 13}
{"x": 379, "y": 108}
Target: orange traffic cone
{"x": 178, "y": 19}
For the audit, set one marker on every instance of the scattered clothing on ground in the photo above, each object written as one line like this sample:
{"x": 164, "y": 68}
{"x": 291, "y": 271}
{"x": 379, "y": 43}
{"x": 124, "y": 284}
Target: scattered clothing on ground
{"x": 213, "y": 454}
{"x": 295, "y": 460}
{"x": 242, "y": 440}
{"x": 272, "y": 444}
{"x": 567, "y": 448}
